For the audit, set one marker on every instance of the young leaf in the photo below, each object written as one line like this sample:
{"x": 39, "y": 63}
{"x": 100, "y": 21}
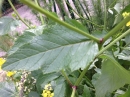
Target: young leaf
{"x": 60, "y": 88}
{"x": 86, "y": 91}
{"x": 7, "y": 24}
{"x": 54, "y": 50}
{"x": 44, "y": 79}
{"x": 113, "y": 77}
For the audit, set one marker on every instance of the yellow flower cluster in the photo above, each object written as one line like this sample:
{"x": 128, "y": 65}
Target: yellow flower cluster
{"x": 47, "y": 91}
{"x": 125, "y": 14}
{"x": 8, "y": 73}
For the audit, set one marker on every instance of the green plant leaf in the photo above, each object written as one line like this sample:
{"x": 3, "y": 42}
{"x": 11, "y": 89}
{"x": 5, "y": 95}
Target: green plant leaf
{"x": 86, "y": 91}
{"x": 127, "y": 39}
{"x": 7, "y": 89}
{"x": 33, "y": 94}
{"x": 22, "y": 40}
{"x": 60, "y": 88}
{"x": 76, "y": 24}
{"x": 43, "y": 79}
{"x": 113, "y": 77}
{"x": 127, "y": 94}
{"x": 54, "y": 50}
{"x": 7, "y": 24}
{"x": 125, "y": 54}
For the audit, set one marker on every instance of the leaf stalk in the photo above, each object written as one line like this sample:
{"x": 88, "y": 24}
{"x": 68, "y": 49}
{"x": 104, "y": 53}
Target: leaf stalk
{"x": 32, "y": 5}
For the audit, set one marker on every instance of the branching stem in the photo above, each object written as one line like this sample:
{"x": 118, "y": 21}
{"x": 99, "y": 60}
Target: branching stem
{"x": 39, "y": 9}
{"x": 18, "y": 14}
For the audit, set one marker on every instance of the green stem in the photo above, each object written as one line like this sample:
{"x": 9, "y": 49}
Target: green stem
{"x": 73, "y": 92}
{"x": 117, "y": 28}
{"x": 18, "y": 14}
{"x": 105, "y": 14}
{"x": 41, "y": 18}
{"x": 32, "y": 5}
{"x": 66, "y": 77}
{"x": 82, "y": 75}
{"x": 113, "y": 42}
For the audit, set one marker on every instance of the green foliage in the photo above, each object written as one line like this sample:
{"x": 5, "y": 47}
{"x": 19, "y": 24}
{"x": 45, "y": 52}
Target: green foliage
{"x": 54, "y": 50}
{"x": 7, "y": 24}
{"x": 62, "y": 53}
{"x": 113, "y": 77}
{"x": 7, "y": 89}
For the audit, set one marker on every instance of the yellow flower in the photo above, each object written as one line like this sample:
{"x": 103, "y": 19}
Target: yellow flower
{"x": 47, "y": 92}
{"x": 125, "y": 14}
{"x": 48, "y": 87}
{"x": 10, "y": 73}
{"x": 128, "y": 24}
{"x": 2, "y": 61}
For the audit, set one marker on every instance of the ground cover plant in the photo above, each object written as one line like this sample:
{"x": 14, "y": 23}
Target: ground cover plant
{"x": 68, "y": 57}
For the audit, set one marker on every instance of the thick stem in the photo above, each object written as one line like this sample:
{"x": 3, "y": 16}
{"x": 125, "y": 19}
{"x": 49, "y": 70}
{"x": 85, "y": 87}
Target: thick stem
{"x": 18, "y": 14}
{"x": 73, "y": 92}
{"x": 117, "y": 28}
{"x": 32, "y": 5}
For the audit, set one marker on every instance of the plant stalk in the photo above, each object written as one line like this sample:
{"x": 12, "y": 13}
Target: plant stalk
{"x": 66, "y": 77}
{"x": 18, "y": 14}
{"x": 113, "y": 42}
{"x": 117, "y": 28}
{"x": 40, "y": 15}
{"x": 32, "y": 5}
{"x": 73, "y": 92}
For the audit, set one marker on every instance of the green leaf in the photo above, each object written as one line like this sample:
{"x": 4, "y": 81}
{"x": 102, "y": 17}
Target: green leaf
{"x": 126, "y": 9}
{"x": 113, "y": 77}
{"x": 125, "y": 54}
{"x": 127, "y": 94}
{"x": 7, "y": 89}
{"x": 53, "y": 51}
{"x": 22, "y": 40}
{"x": 60, "y": 88}
{"x": 76, "y": 24}
{"x": 33, "y": 94}
{"x": 86, "y": 91}
{"x": 127, "y": 39}
{"x": 43, "y": 79}
{"x": 7, "y": 24}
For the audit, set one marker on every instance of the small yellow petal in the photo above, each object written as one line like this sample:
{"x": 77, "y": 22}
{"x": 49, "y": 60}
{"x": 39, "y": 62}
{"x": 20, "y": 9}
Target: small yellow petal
{"x": 128, "y": 24}
{"x": 2, "y": 61}
{"x": 10, "y": 73}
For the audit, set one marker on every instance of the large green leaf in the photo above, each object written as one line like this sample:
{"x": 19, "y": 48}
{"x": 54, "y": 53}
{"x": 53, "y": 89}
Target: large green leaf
{"x": 7, "y": 89}
{"x": 7, "y": 24}
{"x": 52, "y": 51}
{"x": 113, "y": 77}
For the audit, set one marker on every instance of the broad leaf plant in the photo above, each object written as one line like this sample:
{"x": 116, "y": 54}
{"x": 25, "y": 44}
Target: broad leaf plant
{"x": 68, "y": 58}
